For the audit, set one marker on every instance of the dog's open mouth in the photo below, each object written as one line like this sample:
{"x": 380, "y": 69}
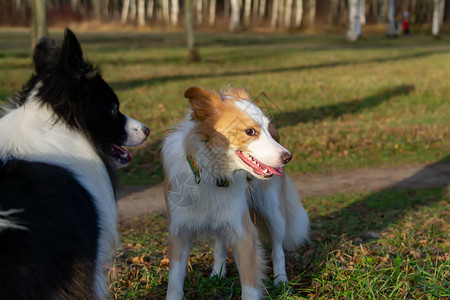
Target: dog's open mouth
{"x": 120, "y": 155}
{"x": 258, "y": 167}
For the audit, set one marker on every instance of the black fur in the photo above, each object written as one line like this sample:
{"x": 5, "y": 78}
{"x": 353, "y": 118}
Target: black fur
{"x": 58, "y": 238}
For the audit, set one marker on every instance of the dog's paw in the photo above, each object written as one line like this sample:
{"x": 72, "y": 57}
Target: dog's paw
{"x": 280, "y": 278}
{"x": 219, "y": 274}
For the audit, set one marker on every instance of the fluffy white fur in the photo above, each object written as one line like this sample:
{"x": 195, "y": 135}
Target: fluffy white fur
{"x": 205, "y": 207}
{"x": 29, "y": 132}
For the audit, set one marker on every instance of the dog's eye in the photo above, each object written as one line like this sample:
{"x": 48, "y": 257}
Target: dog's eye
{"x": 114, "y": 111}
{"x": 250, "y": 132}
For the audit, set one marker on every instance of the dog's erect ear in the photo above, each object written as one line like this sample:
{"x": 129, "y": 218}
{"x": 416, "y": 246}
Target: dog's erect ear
{"x": 204, "y": 103}
{"x": 46, "y": 55}
{"x": 241, "y": 93}
{"x": 71, "y": 54}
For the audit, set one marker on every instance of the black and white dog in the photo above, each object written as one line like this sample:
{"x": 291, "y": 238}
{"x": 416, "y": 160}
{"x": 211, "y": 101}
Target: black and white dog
{"x": 60, "y": 140}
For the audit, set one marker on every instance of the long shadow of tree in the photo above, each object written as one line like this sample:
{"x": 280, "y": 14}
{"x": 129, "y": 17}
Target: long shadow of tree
{"x": 123, "y": 85}
{"x": 363, "y": 220}
{"x": 333, "y": 111}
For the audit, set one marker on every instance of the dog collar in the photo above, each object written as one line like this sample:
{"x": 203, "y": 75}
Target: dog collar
{"x": 220, "y": 182}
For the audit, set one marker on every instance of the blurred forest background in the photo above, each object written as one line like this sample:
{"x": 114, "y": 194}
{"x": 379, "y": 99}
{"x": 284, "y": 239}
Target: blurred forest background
{"x": 234, "y": 15}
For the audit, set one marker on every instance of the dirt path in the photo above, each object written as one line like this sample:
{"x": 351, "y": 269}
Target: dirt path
{"x": 139, "y": 200}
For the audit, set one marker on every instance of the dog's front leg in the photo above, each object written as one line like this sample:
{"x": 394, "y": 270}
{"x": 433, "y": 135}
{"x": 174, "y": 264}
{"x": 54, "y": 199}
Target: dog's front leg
{"x": 248, "y": 258}
{"x": 179, "y": 247}
{"x": 220, "y": 260}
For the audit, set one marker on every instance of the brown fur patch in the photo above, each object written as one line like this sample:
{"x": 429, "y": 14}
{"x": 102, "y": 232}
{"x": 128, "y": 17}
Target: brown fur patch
{"x": 248, "y": 256}
{"x": 221, "y": 121}
{"x": 237, "y": 92}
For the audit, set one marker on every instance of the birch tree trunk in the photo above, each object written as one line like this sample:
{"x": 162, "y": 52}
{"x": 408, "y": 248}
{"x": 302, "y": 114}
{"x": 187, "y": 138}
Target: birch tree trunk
{"x": 174, "y": 11}
{"x": 288, "y": 13}
{"x": 235, "y": 15}
{"x": 298, "y": 13}
{"x": 38, "y": 21}
{"x": 125, "y": 9}
{"x": 199, "y": 16}
{"x": 133, "y": 10}
{"x": 262, "y": 8}
{"x": 281, "y": 12}
{"x": 165, "y": 11}
{"x": 247, "y": 12}
{"x": 274, "y": 19}
{"x": 97, "y": 7}
{"x": 255, "y": 7}
{"x": 391, "y": 19}
{"x": 150, "y": 6}
{"x": 212, "y": 12}
{"x": 141, "y": 12}
{"x": 193, "y": 54}
{"x": 436, "y": 17}
{"x": 310, "y": 14}
{"x": 354, "y": 22}
{"x": 362, "y": 13}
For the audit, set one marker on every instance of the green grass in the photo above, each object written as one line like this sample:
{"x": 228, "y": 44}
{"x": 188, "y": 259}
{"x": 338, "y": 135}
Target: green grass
{"x": 338, "y": 105}
{"x": 383, "y": 245}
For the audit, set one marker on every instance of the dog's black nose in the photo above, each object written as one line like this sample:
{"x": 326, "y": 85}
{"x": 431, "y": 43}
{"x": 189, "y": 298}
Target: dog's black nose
{"x": 286, "y": 157}
{"x": 146, "y": 130}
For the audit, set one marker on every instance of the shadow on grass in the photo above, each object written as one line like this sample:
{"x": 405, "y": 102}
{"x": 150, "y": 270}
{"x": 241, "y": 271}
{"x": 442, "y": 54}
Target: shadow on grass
{"x": 334, "y": 111}
{"x": 361, "y": 221}
{"x": 123, "y": 85}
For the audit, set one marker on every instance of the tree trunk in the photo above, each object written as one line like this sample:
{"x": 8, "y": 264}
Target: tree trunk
{"x": 75, "y": 5}
{"x": 412, "y": 14}
{"x": 193, "y": 54}
{"x": 255, "y": 7}
{"x": 235, "y": 15}
{"x": 125, "y": 9}
{"x": 354, "y": 22}
{"x": 141, "y": 12}
{"x": 342, "y": 18}
{"x": 165, "y": 12}
{"x": 274, "y": 20}
{"x": 310, "y": 14}
{"x": 298, "y": 13}
{"x": 97, "y": 9}
{"x": 199, "y": 16}
{"x": 150, "y": 6}
{"x": 247, "y": 12}
{"x": 288, "y": 14}
{"x": 262, "y": 8}
{"x": 38, "y": 21}
{"x": 133, "y": 10}
{"x": 334, "y": 6}
{"x": 436, "y": 17}
{"x": 212, "y": 12}
{"x": 174, "y": 10}
{"x": 442, "y": 13}
{"x": 391, "y": 28}
{"x": 362, "y": 12}
{"x": 226, "y": 9}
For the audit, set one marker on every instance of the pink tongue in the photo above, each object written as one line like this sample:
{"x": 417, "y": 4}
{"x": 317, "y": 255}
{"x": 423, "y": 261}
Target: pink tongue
{"x": 276, "y": 171}
{"x": 125, "y": 155}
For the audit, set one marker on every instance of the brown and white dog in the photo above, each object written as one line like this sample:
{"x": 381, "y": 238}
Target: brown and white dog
{"x": 223, "y": 150}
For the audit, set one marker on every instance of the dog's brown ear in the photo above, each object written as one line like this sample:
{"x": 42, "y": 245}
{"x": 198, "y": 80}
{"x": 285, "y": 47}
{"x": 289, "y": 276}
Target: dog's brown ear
{"x": 241, "y": 93}
{"x": 204, "y": 103}
{"x": 274, "y": 132}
